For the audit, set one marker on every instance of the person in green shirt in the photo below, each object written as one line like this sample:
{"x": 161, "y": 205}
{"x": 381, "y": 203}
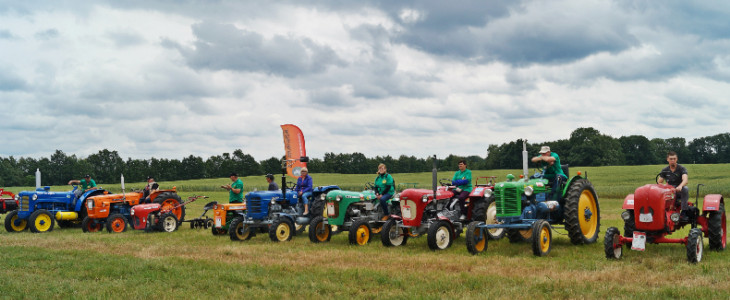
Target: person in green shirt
{"x": 553, "y": 171}
{"x": 87, "y": 183}
{"x": 384, "y": 188}
{"x": 462, "y": 182}
{"x": 235, "y": 189}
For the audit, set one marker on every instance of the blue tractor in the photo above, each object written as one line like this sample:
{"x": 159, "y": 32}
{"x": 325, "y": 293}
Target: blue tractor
{"x": 40, "y": 209}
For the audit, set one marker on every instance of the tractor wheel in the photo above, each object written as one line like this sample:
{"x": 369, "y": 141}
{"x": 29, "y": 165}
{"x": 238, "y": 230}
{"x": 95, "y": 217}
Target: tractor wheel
{"x": 169, "y": 200}
{"x": 13, "y": 223}
{"x": 41, "y": 221}
{"x": 239, "y": 231}
{"x": 218, "y": 231}
{"x": 359, "y": 233}
{"x": 491, "y": 218}
{"x": 519, "y": 236}
{"x": 611, "y": 245}
{"x": 695, "y": 246}
{"x": 440, "y": 236}
{"x": 168, "y": 222}
{"x": 319, "y": 232}
{"x": 476, "y": 239}
{"x": 716, "y": 228}
{"x": 209, "y": 223}
{"x": 630, "y": 224}
{"x": 392, "y": 235}
{"x": 90, "y": 225}
{"x": 479, "y": 212}
{"x": 316, "y": 208}
{"x": 282, "y": 230}
{"x": 582, "y": 214}
{"x": 116, "y": 223}
{"x": 542, "y": 238}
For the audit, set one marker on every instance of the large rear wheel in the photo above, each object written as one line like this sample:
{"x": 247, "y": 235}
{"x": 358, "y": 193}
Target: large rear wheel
{"x": 476, "y": 239}
{"x": 629, "y": 224}
{"x": 582, "y": 214}
{"x": 13, "y": 223}
{"x": 717, "y": 229}
{"x": 169, "y": 201}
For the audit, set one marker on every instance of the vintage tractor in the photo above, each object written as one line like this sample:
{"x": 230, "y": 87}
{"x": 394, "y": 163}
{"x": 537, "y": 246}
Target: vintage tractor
{"x": 223, "y": 214}
{"x": 658, "y": 210}
{"x": 7, "y": 201}
{"x": 358, "y": 213}
{"x": 434, "y": 213}
{"x": 40, "y": 209}
{"x": 525, "y": 209}
{"x": 156, "y": 217}
{"x": 278, "y": 211}
{"x": 113, "y": 211}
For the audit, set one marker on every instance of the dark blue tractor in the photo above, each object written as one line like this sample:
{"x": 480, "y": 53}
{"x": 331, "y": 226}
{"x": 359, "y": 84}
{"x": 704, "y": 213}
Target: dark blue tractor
{"x": 281, "y": 217}
{"x": 40, "y": 209}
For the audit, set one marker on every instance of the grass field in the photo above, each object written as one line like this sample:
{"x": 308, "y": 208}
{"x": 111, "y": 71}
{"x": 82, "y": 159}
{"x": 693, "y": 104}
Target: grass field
{"x": 67, "y": 263}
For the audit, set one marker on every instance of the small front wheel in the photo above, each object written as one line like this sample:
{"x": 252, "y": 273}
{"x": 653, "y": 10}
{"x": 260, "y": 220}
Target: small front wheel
{"x": 440, "y": 236}
{"x": 359, "y": 233}
{"x": 393, "y": 235}
{"x": 611, "y": 245}
{"x": 116, "y": 223}
{"x": 476, "y": 239}
{"x": 168, "y": 222}
{"x": 41, "y": 221}
{"x": 695, "y": 246}
{"x": 319, "y": 232}
{"x": 282, "y": 230}
{"x": 542, "y": 238}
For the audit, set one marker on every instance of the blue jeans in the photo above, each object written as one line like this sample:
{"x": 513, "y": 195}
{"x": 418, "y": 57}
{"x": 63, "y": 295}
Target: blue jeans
{"x": 384, "y": 203}
{"x": 556, "y": 181}
{"x": 305, "y": 197}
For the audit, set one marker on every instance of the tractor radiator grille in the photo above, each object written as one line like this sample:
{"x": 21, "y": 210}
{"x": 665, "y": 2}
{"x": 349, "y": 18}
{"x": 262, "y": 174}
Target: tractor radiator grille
{"x": 255, "y": 206}
{"x": 24, "y": 205}
{"x": 508, "y": 201}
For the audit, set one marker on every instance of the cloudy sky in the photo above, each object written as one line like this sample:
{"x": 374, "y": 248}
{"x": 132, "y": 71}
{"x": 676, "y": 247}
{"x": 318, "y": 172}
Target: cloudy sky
{"x": 174, "y": 78}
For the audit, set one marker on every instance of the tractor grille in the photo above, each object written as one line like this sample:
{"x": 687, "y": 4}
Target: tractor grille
{"x": 255, "y": 206}
{"x": 508, "y": 201}
{"x": 24, "y": 205}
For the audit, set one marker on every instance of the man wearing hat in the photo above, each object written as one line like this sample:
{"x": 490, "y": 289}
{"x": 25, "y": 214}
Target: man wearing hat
{"x": 304, "y": 188}
{"x": 87, "y": 183}
{"x": 150, "y": 188}
{"x": 553, "y": 171}
{"x": 235, "y": 189}
{"x": 272, "y": 185}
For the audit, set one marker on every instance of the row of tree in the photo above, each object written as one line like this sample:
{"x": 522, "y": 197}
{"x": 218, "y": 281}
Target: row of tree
{"x": 585, "y": 147}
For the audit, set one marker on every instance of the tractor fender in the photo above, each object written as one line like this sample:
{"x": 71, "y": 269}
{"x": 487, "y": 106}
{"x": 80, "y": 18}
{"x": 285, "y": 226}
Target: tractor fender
{"x": 570, "y": 182}
{"x": 712, "y": 202}
{"x": 288, "y": 216}
{"x": 478, "y": 191}
{"x": 442, "y": 218}
{"x": 628, "y": 202}
{"x": 396, "y": 217}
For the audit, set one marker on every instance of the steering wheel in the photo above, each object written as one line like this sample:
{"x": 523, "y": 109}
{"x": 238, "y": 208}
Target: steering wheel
{"x": 369, "y": 186}
{"x": 667, "y": 176}
{"x": 445, "y": 182}
{"x": 290, "y": 185}
{"x": 539, "y": 171}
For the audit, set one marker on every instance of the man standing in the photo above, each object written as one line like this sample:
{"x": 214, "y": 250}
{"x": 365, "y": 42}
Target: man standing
{"x": 304, "y": 188}
{"x": 676, "y": 175}
{"x": 462, "y": 181}
{"x": 235, "y": 189}
{"x": 272, "y": 185}
{"x": 553, "y": 171}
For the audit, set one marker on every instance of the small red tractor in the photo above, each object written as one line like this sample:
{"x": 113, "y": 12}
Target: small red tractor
{"x": 154, "y": 216}
{"x": 7, "y": 201}
{"x": 657, "y": 210}
{"x": 113, "y": 211}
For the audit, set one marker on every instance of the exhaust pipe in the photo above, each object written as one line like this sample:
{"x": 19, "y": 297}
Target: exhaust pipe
{"x": 524, "y": 158}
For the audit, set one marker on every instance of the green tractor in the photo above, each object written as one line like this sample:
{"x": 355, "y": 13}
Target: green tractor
{"x": 358, "y": 213}
{"x": 527, "y": 211}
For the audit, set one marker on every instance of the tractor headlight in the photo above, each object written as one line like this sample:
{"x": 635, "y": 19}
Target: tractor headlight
{"x": 17, "y": 197}
{"x": 35, "y": 197}
{"x": 90, "y": 204}
{"x": 626, "y": 215}
{"x": 674, "y": 217}
{"x": 424, "y": 199}
{"x": 323, "y": 196}
{"x": 273, "y": 201}
{"x": 397, "y": 197}
{"x": 338, "y": 198}
{"x": 487, "y": 193}
{"x": 529, "y": 190}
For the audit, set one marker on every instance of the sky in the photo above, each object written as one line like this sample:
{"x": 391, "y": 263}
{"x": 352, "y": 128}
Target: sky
{"x": 168, "y": 79}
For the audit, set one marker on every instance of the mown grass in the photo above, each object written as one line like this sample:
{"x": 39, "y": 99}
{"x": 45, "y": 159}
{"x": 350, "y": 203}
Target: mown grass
{"x": 67, "y": 263}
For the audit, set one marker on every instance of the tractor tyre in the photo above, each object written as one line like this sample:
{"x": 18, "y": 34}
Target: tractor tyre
{"x": 695, "y": 246}
{"x": 218, "y": 231}
{"x": 393, "y": 235}
{"x": 168, "y": 222}
{"x": 209, "y": 223}
{"x": 319, "y": 232}
{"x": 716, "y": 229}
{"x": 542, "y": 238}
{"x": 169, "y": 200}
{"x": 10, "y": 222}
{"x": 630, "y": 224}
{"x": 116, "y": 223}
{"x": 582, "y": 214}
{"x": 479, "y": 212}
{"x": 476, "y": 239}
{"x": 239, "y": 231}
{"x": 282, "y": 230}
{"x": 41, "y": 221}
{"x": 90, "y": 225}
{"x": 440, "y": 236}
{"x": 316, "y": 208}
{"x": 360, "y": 233}
{"x": 491, "y": 218}
{"x": 611, "y": 244}
{"x": 519, "y": 235}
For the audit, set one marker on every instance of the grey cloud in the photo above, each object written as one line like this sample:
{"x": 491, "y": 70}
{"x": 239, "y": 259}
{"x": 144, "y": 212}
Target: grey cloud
{"x": 123, "y": 38}
{"x": 330, "y": 97}
{"x": 9, "y": 81}
{"x": 7, "y": 35}
{"x": 47, "y": 34}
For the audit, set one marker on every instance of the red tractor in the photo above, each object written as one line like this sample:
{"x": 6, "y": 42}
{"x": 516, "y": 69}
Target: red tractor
{"x": 154, "y": 216}
{"x": 657, "y": 210}
{"x": 7, "y": 201}
{"x": 436, "y": 213}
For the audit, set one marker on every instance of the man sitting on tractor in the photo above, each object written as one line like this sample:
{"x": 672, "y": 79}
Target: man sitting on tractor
{"x": 235, "y": 189}
{"x": 149, "y": 189}
{"x": 676, "y": 176}
{"x": 87, "y": 184}
{"x": 553, "y": 172}
{"x": 304, "y": 188}
{"x": 462, "y": 181}
{"x": 384, "y": 188}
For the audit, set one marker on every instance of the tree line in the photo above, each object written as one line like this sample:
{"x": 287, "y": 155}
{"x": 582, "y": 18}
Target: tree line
{"x": 585, "y": 147}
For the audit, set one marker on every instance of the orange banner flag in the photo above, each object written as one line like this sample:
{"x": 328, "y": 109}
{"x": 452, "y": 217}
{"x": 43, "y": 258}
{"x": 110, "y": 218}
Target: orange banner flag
{"x": 294, "y": 148}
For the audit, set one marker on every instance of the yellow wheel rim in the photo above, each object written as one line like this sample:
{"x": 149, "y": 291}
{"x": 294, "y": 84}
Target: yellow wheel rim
{"x": 321, "y": 232}
{"x": 282, "y": 232}
{"x": 43, "y": 222}
{"x": 481, "y": 244}
{"x": 545, "y": 239}
{"x": 363, "y": 235}
{"x": 242, "y": 231}
{"x": 587, "y": 214}
{"x": 21, "y": 226}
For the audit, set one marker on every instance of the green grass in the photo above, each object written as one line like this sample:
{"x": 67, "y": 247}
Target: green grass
{"x": 67, "y": 263}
